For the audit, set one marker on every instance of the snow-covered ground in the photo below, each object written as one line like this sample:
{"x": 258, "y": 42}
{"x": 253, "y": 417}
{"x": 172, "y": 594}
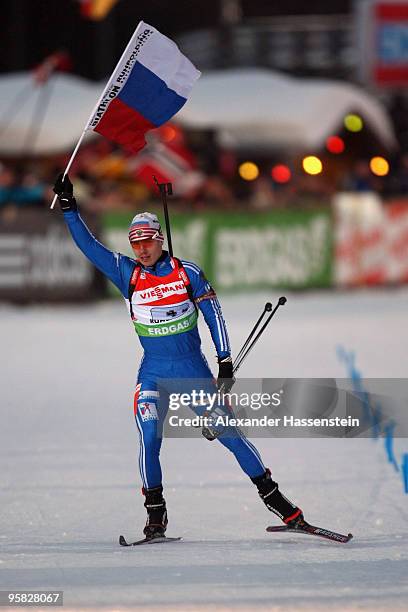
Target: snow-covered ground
{"x": 70, "y": 485}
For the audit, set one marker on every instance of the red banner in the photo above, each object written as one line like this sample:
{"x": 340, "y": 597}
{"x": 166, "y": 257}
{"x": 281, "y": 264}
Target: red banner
{"x": 371, "y": 240}
{"x": 383, "y": 26}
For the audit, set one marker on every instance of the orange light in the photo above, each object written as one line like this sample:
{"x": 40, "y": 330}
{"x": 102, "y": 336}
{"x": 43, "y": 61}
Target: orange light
{"x": 379, "y": 166}
{"x": 335, "y": 144}
{"x": 248, "y": 171}
{"x": 281, "y": 173}
{"x": 312, "y": 165}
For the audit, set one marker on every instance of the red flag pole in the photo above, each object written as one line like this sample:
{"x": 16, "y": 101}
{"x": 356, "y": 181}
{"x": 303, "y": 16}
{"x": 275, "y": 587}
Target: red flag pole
{"x": 19, "y": 100}
{"x": 41, "y": 75}
{"x": 37, "y": 120}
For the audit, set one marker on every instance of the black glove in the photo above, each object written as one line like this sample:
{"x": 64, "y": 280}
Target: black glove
{"x": 65, "y": 192}
{"x": 225, "y": 374}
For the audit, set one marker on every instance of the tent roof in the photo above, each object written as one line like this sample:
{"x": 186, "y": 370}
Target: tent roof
{"x": 67, "y": 102}
{"x": 248, "y": 108}
{"x": 255, "y": 107}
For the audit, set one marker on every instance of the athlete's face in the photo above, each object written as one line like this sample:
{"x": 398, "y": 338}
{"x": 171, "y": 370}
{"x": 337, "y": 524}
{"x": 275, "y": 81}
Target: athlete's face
{"x": 147, "y": 251}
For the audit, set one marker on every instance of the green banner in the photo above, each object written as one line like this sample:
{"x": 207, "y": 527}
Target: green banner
{"x": 241, "y": 251}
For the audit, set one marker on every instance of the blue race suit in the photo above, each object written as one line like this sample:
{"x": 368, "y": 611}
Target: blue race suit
{"x": 165, "y": 356}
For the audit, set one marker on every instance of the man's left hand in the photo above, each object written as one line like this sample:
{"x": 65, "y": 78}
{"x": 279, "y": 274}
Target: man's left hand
{"x": 65, "y": 192}
{"x": 225, "y": 374}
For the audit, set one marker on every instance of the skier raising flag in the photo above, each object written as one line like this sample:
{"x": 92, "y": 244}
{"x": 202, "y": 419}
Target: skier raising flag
{"x": 151, "y": 82}
{"x": 146, "y": 282}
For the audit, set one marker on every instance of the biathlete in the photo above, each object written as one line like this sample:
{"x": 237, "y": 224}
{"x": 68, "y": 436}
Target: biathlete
{"x": 163, "y": 295}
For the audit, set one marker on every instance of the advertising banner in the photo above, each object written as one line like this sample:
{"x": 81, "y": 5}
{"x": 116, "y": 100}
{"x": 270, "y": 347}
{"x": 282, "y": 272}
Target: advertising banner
{"x": 371, "y": 240}
{"x": 241, "y": 251}
{"x": 40, "y": 262}
{"x": 383, "y": 40}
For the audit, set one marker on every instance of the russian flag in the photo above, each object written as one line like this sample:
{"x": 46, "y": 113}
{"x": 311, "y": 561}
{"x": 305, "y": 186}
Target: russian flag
{"x": 150, "y": 84}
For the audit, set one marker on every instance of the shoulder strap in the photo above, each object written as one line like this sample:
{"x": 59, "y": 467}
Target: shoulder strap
{"x": 184, "y": 277}
{"x": 132, "y": 285}
{"x": 209, "y": 295}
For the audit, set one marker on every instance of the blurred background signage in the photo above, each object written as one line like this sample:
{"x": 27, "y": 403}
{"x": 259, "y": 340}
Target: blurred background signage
{"x": 39, "y": 262}
{"x": 297, "y": 130}
{"x": 383, "y": 36}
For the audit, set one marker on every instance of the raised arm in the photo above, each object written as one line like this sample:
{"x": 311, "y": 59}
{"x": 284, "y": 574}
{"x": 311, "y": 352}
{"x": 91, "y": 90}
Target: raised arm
{"x": 118, "y": 268}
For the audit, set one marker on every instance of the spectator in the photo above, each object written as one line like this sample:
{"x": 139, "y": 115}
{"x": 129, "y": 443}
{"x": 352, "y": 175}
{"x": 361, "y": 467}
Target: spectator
{"x": 7, "y": 179}
{"x": 360, "y": 178}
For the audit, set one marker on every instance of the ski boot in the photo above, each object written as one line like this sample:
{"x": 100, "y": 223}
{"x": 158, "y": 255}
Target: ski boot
{"x": 277, "y": 503}
{"x": 155, "y": 505}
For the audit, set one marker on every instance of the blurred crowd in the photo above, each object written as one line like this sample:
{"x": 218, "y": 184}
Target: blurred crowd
{"x": 203, "y": 177}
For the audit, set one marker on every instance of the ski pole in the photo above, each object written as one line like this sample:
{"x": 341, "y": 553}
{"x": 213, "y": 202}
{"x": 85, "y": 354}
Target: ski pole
{"x": 212, "y": 433}
{"x": 246, "y": 347}
{"x": 243, "y": 354}
{"x": 267, "y": 308}
{"x": 165, "y": 190}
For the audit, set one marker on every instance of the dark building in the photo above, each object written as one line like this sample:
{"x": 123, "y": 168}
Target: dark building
{"x": 32, "y": 29}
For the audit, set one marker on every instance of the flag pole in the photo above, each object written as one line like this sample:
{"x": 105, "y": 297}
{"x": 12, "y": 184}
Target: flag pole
{"x": 67, "y": 169}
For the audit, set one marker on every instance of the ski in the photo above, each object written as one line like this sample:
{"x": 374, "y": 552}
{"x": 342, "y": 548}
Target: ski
{"x": 156, "y": 540}
{"x": 314, "y": 531}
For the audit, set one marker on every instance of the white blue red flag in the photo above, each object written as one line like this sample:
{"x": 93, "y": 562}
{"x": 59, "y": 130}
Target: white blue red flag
{"x": 150, "y": 84}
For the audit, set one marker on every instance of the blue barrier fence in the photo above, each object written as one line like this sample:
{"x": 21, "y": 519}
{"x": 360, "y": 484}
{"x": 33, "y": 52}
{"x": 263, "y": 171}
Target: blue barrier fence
{"x": 373, "y": 414}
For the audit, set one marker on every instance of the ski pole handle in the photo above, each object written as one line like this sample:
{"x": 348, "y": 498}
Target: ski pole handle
{"x": 209, "y": 432}
{"x": 267, "y": 308}
{"x": 238, "y": 362}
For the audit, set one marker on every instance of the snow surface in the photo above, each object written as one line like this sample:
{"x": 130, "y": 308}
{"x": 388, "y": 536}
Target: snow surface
{"x": 70, "y": 485}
